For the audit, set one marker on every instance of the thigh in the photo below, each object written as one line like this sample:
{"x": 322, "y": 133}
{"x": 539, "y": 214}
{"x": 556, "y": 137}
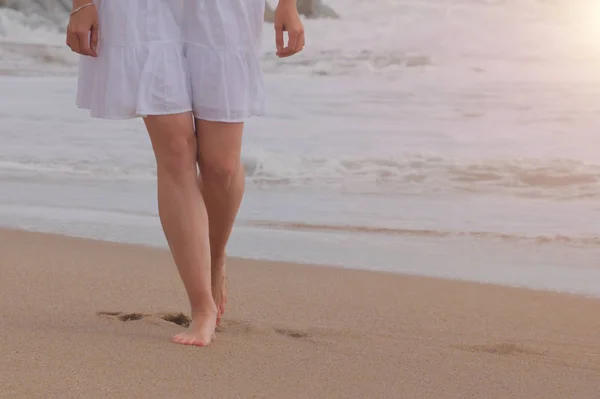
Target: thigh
{"x": 172, "y": 135}
{"x": 219, "y": 143}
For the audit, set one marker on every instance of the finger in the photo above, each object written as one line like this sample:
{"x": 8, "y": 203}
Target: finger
{"x": 279, "y": 38}
{"x": 70, "y": 38}
{"x": 300, "y": 42}
{"x": 94, "y": 40}
{"x": 292, "y": 40}
{"x": 295, "y": 44}
{"x": 84, "y": 40}
{"x": 286, "y": 53}
{"x": 75, "y": 45}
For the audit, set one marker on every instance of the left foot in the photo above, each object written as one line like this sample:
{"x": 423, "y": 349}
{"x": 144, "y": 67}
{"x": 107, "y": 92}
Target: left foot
{"x": 201, "y": 331}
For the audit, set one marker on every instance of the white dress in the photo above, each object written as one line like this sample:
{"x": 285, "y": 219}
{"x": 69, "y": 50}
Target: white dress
{"x": 158, "y": 57}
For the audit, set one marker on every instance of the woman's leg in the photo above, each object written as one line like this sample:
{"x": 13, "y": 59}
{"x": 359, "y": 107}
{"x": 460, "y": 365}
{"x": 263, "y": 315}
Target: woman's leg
{"x": 184, "y": 219}
{"x": 222, "y": 182}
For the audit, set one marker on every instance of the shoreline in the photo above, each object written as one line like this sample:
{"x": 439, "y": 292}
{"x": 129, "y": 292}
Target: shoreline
{"x": 309, "y": 265}
{"x": 559, "y": 269}
{"x": 87, "y": 317}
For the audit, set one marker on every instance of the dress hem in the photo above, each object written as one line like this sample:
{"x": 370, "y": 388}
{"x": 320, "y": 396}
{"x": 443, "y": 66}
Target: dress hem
{"x": 174, "y": 112}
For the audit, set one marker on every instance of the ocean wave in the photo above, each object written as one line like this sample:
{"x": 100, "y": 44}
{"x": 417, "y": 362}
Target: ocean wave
{"x": 36, "y": 59}
{"x": 29, "y": 25}
{"x": 33, "y": 44}
{"x": 75, "y": 168}
{"x": 407, "y": 174}
{"x": 577, "y": 241}
{"x": 414, "y": 173}
{"x": 344, "y": 62}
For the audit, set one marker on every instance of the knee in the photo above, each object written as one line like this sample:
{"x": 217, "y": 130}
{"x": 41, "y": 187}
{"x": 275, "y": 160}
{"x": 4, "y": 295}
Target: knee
{"x": 220, "y": 172}
{"x": 177, "y": 156}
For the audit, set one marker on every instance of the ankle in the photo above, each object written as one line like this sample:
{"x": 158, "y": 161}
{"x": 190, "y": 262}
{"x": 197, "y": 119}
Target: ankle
{"x": 205, "y": 310}
{"x": 218, "y": 261}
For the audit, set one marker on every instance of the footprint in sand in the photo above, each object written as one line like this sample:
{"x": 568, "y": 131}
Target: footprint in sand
{"x": 237, "y": 326}
{"x": 181, "y": 319}
{"x": 176, "y": 318}
{"x": 292, "y": 333}
{"x": 500, "y": 349}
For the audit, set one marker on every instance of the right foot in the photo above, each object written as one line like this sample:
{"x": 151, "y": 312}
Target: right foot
{"x": 200, "y": 332}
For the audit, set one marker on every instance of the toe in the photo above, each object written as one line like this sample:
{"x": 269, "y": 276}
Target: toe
{"x": 176, "y": 340}
{"x": 182, "y": 339}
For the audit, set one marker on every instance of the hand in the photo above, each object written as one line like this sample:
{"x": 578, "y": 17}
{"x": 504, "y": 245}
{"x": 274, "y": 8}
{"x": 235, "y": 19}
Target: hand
{"x": 82, "y": 32}
{"x": 287, "y": 19}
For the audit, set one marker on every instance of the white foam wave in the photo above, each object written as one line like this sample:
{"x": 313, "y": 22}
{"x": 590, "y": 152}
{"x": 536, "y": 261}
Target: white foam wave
{"x": 21, "y": 27}
{"x": 415, "y": 173}
{"x": 410, "y": 174}
{"x": 75, "y": 168}
{"x": 572, "y": 240}
{"x": 338, "y": 62}
{"x": 33, "y": 44}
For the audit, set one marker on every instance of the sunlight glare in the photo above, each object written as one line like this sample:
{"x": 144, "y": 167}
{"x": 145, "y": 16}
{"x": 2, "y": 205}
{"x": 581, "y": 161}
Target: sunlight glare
{"x": 587, "y": 20}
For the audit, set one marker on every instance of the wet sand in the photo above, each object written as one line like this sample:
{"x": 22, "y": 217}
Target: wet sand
{"x": 84, "y": 318}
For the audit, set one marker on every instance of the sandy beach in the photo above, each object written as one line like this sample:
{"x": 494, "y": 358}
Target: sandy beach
{"x": 84, "y": 318}
{"x": 397, "y": 144}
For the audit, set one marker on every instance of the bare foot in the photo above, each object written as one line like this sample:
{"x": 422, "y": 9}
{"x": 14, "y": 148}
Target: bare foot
{"x": 200, "y": 332}
{"x": 219, "y": 289}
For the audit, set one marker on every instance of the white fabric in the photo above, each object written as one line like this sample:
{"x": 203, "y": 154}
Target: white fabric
{"x": 159, "y": 57}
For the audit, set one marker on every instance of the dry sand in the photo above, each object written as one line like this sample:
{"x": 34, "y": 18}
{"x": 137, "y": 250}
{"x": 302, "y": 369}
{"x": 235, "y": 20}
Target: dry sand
{"x": 290, "y": 331}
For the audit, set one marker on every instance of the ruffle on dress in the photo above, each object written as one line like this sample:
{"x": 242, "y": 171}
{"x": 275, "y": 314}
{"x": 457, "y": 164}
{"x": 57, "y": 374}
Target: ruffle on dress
{"x": 170, "y": 78}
